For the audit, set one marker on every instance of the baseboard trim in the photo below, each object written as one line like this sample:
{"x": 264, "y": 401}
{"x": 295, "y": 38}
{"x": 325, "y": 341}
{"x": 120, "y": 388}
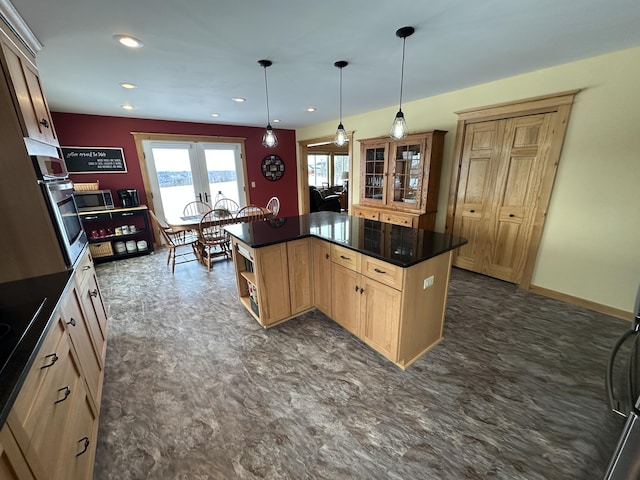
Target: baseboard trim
{"x": 581, "y": 302}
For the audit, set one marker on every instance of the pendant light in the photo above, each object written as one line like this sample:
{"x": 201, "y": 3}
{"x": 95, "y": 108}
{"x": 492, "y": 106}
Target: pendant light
{"x": 341, "y": 136}
{"x": 399, "y": 128}
{"x": 269, "y": 139}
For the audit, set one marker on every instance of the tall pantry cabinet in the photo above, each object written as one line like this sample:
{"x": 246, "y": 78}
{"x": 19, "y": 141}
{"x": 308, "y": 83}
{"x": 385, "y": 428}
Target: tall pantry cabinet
{"x": 28, "y": 246}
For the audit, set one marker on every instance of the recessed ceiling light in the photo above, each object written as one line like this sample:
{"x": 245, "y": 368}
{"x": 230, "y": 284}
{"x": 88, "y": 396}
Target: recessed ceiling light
{"x": 128, "y": 41}
{"x": 276, "y": 120}
{"x": 215, "y": 115}
{"x": 311, "y": 109}
{"x": 239, "y": 99}
{"x": 126, "y": 106}
{"x": 128, "y": 85}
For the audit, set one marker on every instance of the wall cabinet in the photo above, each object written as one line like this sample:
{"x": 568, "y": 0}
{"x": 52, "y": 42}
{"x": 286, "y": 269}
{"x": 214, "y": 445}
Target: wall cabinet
{"x": 102, "y": 227}
{"x": 28, "y": 218}
{"x": 399, "y": 180}
{"x": 31, "y": 106}
{"x": 54, "y": 418}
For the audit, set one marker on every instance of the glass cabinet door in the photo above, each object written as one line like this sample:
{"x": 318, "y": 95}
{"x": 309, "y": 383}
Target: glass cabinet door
{"x": 407, "y": 171}
{"x": 373, "y": 181}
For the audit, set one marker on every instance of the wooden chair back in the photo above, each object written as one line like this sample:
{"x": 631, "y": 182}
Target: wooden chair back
{"x": 196, "y": 208}
{"x": 226, "y": 204}
{"x": 274, "y": 205}
{"x": 251, "y": 213}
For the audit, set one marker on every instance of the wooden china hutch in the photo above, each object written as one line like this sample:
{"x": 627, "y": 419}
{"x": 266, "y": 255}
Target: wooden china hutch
{"x": 400, "y": 179}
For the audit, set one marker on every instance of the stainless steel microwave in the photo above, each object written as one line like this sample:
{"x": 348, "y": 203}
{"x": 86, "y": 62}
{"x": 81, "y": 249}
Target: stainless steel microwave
{"x": 93, "y": 200}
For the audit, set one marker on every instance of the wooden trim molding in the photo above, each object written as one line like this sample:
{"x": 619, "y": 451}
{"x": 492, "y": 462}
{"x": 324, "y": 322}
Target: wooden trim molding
{"x": 16, "y": 24}
{"x": 581, "y": 302}
{"x": 303, "y": 168}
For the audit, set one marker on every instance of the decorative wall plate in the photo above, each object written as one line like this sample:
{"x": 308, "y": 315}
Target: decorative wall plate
{"x": 272, "y": 167}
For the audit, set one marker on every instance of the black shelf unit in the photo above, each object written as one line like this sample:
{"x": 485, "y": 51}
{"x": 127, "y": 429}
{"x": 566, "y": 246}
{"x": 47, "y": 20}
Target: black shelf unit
{"x": 109, "y": 220}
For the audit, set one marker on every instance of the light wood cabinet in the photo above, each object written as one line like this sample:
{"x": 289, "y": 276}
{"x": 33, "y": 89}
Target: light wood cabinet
{"x": 399, "y": 180}
{"x": 300, "y": 264}
{"x": 13, "y": 465}
{"x": 54, "y": 419}
{"x": 397, "y": 311}
{"x": 322, "y": 275}
{"x": 42, "y": 254}
{"x": 33, "y": 113}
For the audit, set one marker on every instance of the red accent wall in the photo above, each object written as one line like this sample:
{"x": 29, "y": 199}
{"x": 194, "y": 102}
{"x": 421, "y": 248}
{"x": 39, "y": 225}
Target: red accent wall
{"x": 79, "y": 130}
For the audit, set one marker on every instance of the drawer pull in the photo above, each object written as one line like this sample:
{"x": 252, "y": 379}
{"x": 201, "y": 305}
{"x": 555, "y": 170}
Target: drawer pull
{"x": 511, "y": 215}
{"x": 94, "y": 292}
{"x": 86, "y": 267}
{"x": 127, "y": 214}
{"x": 472, "y": 211}
{"x": 377, "y": 270}
{"x": 90, "y": 217}
{"x": 54, "y": 359}
{"x": 344, "y": 258}
{"x": 67, "y": 392}
{"x": 85, "y": 441}
{"x": 44, "y": 123}
{"x": 72, "y": 322}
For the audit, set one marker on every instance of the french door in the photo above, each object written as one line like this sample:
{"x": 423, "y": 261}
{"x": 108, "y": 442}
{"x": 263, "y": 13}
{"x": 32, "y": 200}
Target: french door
{"x": 181, "y": 172}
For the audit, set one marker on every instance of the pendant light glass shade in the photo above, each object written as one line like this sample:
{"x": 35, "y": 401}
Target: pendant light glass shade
{"x": 399, "y": 128}
{"x": 269, "y": 138}
{"x": 341, "y": 138}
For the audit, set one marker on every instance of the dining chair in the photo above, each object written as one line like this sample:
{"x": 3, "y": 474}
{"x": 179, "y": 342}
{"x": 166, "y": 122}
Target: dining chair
{"x": 175, "y": 242}
{"x": 273, "y": 205}
{"x": 226, "y": 204}
{"x": 196, "y": 208}
{"x": 252, "y": 213}
{"x": 212, "y": 238}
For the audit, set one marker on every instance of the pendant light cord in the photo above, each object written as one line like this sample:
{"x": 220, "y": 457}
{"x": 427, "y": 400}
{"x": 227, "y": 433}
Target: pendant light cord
{"x": 404, "y": 41}
{"x": 341, "y": 95}
{"x": 266, "y": 90}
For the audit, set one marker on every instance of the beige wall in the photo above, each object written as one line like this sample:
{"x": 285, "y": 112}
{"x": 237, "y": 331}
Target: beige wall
{"x": 591, "y": 242}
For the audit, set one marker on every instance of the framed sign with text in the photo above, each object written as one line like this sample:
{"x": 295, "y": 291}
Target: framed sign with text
{"x": 94, "y": 159}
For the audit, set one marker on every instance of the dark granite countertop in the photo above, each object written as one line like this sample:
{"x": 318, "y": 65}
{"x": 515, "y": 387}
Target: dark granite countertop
{"x": 402, "y": 246}
{"x": 19, "y": 301}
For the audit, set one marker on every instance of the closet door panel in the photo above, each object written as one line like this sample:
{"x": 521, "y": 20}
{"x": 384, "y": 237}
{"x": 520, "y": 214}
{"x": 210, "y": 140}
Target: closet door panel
{"x": 515, "y": 196}
{"x": 478, "y": 169}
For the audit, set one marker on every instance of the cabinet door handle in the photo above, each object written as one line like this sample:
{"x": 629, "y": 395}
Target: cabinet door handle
{"x": 72, "y": 322}
{"x": 94, "y": 293}
{"x": 326, "y": 255}
{"x": 44, "y": 123}
{"x": 357, "y": 288}
{"x": 54, "y": 359}
{"x": 86, "y": 267}
{"x": 361, "y": 291}
{"x": 85, "y": 447}
{"x": 67, "y": 392}
{"x": 377, "y": 270}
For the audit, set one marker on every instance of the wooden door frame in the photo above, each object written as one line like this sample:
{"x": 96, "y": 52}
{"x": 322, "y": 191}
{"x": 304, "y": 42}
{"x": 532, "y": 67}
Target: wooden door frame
{"x": 559, "y": 103}
{"x": 303, "y": 169}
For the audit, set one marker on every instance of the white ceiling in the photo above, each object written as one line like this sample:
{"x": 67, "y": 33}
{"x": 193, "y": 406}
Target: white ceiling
{"x": 198, "y": 54}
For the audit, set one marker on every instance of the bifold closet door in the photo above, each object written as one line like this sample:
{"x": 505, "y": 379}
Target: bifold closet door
{"x": 501, "y": 173}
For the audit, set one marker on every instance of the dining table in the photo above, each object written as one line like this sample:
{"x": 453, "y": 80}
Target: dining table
{"x": 191, "y": 223}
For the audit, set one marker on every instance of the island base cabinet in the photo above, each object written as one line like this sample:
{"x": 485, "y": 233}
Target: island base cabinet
{"x": 345, "y": 295}
{"x": 13, "y": 466}
{"x": 300, "y": 261}
{"x": 381, "y": 317}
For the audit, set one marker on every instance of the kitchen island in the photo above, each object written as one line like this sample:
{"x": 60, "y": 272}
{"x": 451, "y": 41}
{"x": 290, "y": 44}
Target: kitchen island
{"x": 385, "y": 283}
